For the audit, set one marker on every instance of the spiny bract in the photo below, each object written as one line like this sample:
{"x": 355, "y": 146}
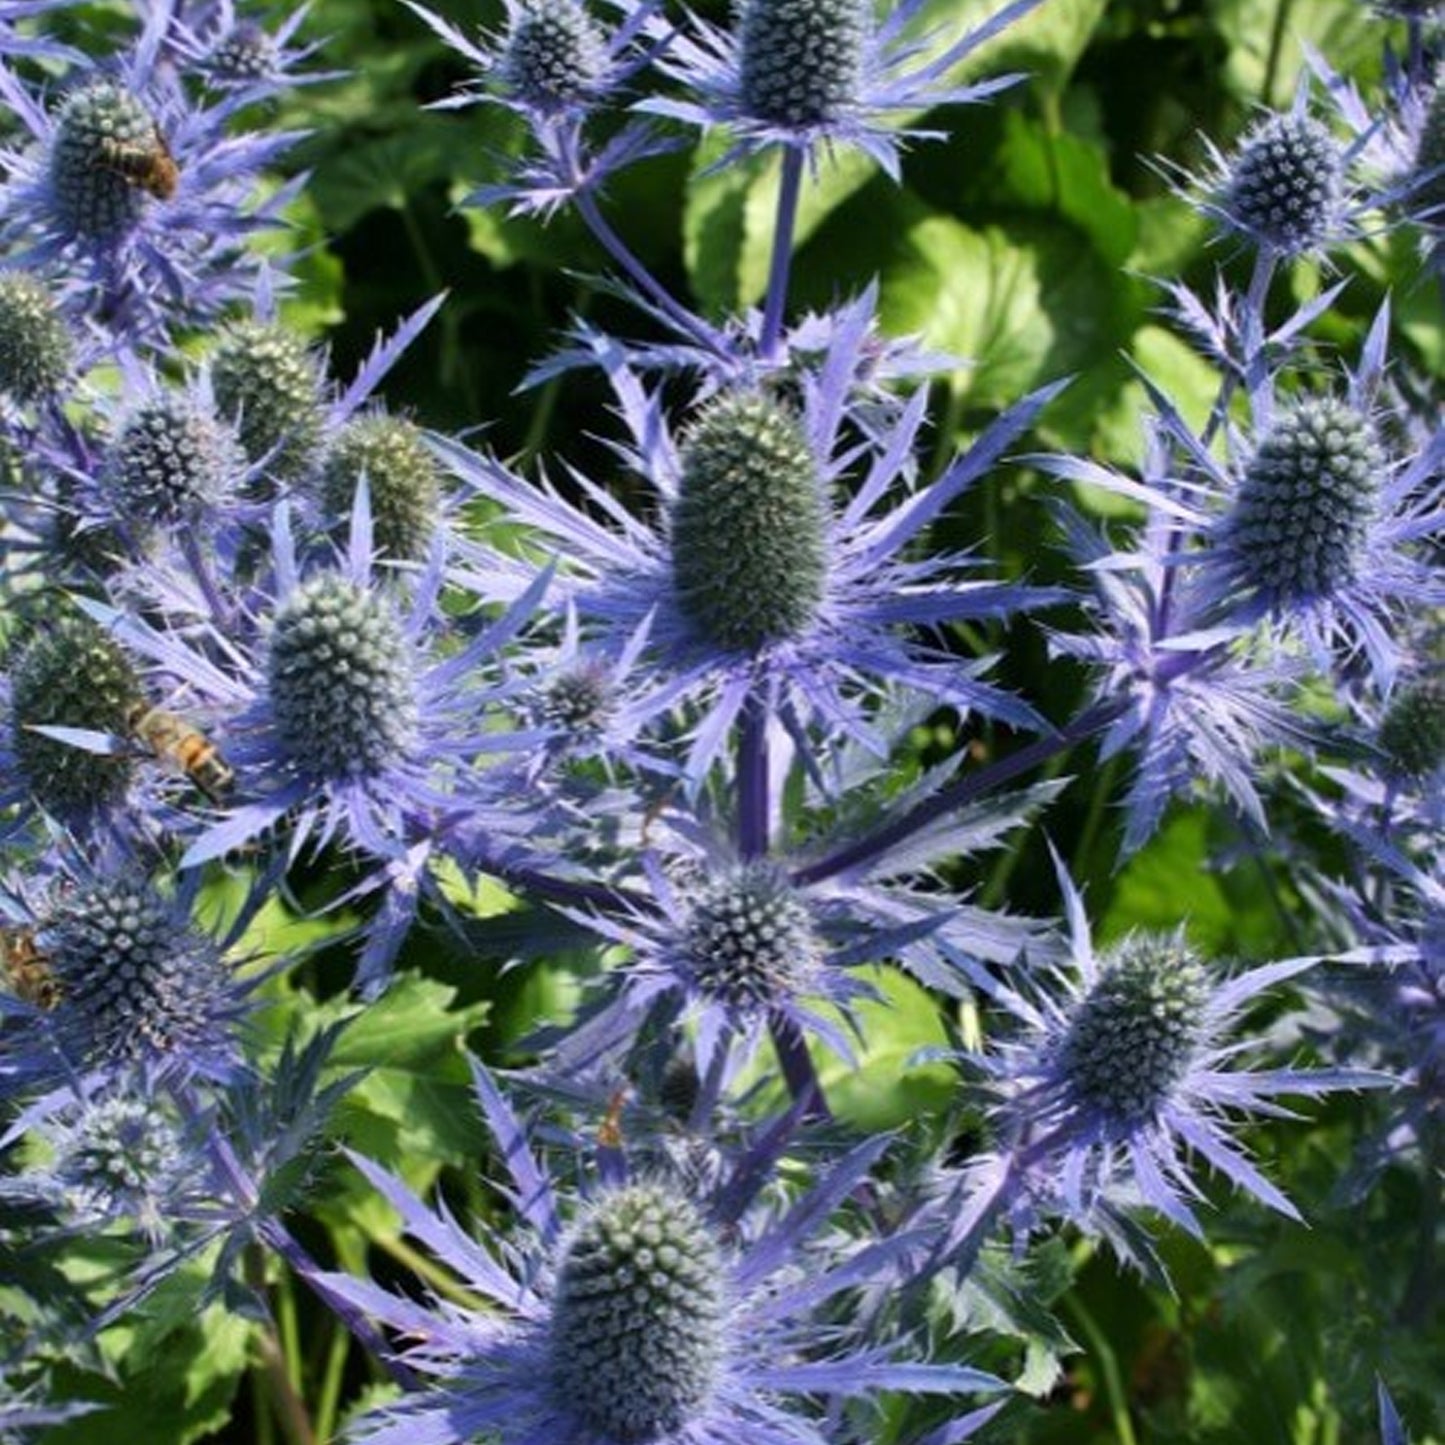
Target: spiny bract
{"x": 636, "y": 1322}
{"x": 749, "y": 528}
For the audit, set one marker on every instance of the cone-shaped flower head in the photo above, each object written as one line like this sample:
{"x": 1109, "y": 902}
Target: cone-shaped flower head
{"x": 801, "y": 61}
{"x": 247, "y": 52}
{"x": 105, "y": 153}
{"x": 402, "y": 478}
{"x": 169, "y": 462}
{"x": 139, "y": 981}
{"x": 340, "y": 679}
{"x": 749, "y": 941}
{"x": 578, "y": 702}
{"x": 1305, "y": 501}
{"x": 120, "y": 1158}
{"x": 749, "y": 527}
{"x": 1136, "y": 1029}
{"x": 1286, "y": 185}
{"x": 71, "y": 674}
{"x": 1412, "y": 731}
{"x": 267, "y": 385}
{"x": 554, "y": 53}
{"x": 637, "y": 1315}
{"x": 37, "y": 351}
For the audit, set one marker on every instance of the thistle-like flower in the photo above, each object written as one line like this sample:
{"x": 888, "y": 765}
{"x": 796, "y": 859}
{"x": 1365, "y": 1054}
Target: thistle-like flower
{"x": 37, "y": 347}
{"x": 763, "y": 578}
{"x": 1124, "y": 1068}
{"x": 813, "y": 75}
{"x": 402, "y": 480}
{"x": 638, "y": 1314}
{"x": 141, "y": 196}
{"x": 140, "y": 989}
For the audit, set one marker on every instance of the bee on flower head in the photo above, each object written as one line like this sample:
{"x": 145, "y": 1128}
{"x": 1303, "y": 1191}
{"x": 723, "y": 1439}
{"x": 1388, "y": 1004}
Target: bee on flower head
{"x": 150, "y": 168}
{"x": 26, "y": 969}
{"x": 172, "y": 739}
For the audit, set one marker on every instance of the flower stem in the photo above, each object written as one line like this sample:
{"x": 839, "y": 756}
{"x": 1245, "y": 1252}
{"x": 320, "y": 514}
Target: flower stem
{"x": 789, "y": 191}
{"x": 653, "y": 289}
{"x": 798, "y": 1070}
{"x": 752, "y": 780}
{"x": 973, "y": 785}
{"x": 289, "y": 1408}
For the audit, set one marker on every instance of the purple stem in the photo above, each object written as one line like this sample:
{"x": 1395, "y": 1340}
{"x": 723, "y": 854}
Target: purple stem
{"x": 788, "y": 194}
{"x": 797, "y": 1066}
{"x": 753, "y": 809}
{"x": 973, "y": 785}
{"x": 618, "y": 249}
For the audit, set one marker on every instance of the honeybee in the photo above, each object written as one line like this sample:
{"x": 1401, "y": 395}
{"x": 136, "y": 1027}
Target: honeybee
{"x": 26, "y": 968}
{"x": 609, "y": 1132}
{"x": 152, "y": 168}
{"x": 174, "y": 740}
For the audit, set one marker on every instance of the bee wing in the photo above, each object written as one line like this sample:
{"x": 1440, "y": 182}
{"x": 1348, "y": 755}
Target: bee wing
{"x": 106, "y": 744}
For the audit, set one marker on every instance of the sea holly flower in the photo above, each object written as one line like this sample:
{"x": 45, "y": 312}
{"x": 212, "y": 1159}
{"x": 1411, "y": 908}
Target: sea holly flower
{"x": 762, "y": 578}
{"x": 1125, "y": 1067}
{"x": 139, "y": 988}
{"x": 638, "y": 1312}
{"x": 557, "y": 63}
{"x": 1317, "y": 528}
{"x": 138, "y": 193}
{"x": 1187, "y": 699}
{"x": 235, "y": 54}
{"x": 1289, "y": 186}
{"x": 403, "y": 482}
{"x": 813, "y": 75}
{"x": 37, "y": 347}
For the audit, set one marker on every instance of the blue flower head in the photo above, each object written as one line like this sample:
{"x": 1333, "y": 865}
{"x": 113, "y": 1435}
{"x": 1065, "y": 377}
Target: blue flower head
{"x": 142, "y": 197}
{"x": 818, "y": 74}
{"x": 38, "y": 351}
{"x": 1125, "y": 1070}
{"x": 640, "y": 1312}
{"x": 764, "y": 574}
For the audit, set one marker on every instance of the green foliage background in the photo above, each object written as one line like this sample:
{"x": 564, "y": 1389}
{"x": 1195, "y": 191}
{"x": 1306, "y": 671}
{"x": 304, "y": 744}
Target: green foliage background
{"x": 1023, "y": 244}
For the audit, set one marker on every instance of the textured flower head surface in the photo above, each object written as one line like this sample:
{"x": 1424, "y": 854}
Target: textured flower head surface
{"x": 638, "y": 1313}
{"x": 38, "y": 350}
{"x": 143, "y": 195}
{"x": 138, "y": 987}
{"x": 1317, "y": 526}
{"x": 557, "y": 63}
{"x": 1190, "y": 701}
{"x": 1290, "y": 187}
{"x": 1126, "y": 1067}
{"x": 117, "y": 1158}
{"x": 817, "y": 75}
{"x": 739, "y": 946}
{"x": 342, "y": 712}
{"x": 235, "y": 53}
{"x": 761, "y": 575}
